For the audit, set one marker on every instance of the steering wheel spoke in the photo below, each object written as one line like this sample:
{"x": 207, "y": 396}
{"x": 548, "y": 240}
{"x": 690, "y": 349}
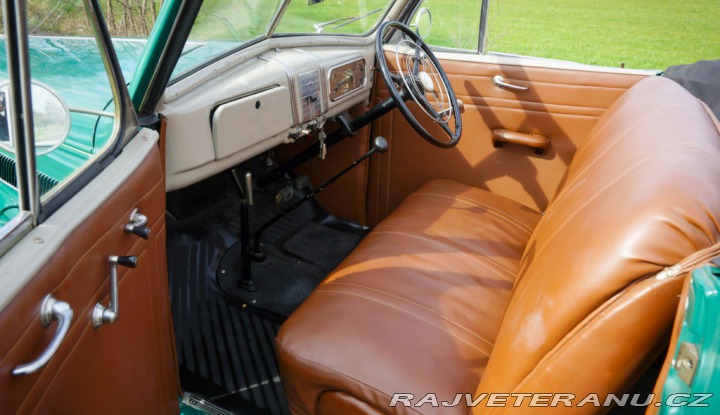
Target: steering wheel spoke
{"x": 420, "y": 78}
{"x": 447, "y": 130}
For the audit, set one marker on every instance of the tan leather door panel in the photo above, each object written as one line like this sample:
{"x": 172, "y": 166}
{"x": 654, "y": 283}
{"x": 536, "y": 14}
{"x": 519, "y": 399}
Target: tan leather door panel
{"x": 126, "y": 367}
{"x": 560, "y": 104}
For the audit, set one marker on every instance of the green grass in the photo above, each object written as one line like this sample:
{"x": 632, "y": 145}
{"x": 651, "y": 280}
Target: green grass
{"x": 648, "y": 34}
{"x": 455, "y": 23}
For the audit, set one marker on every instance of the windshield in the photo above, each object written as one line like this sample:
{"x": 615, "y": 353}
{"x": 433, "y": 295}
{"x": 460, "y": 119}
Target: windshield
{"x": 223, "y": 26}
{"x": 333, "y": 17}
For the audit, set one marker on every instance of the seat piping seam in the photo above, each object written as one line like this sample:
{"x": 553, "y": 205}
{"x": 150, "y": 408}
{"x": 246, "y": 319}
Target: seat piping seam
{"x": 450, "y": 242}
{"x": 438, "y": 243}
{"x": 503, "y": 215}
{"x": 327, "y": 289}
{"x": 469, "y": 331}
{"x": 326, "y": 369}
{"x": 607, "y": 186}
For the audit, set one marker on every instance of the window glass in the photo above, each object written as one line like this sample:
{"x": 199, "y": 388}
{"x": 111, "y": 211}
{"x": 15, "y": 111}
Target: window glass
{"x": 640, "y": 34}
{"x": 131, "y": 18}
{"x": 70, "y": 81}
{"x": 8, "y": 191}
{"x": 223, "y": 25}
{"x": 354, "y": 17}
{"x": 454, "y": 25}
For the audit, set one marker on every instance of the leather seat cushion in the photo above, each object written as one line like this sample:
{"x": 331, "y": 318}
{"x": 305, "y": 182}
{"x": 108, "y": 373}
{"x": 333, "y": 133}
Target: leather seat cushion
{"x": 444, "y": 262}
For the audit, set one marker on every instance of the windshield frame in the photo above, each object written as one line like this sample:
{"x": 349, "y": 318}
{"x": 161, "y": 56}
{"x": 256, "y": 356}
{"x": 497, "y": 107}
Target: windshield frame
{"x": 168, "y": 40}
{"x": 270, "y": 33}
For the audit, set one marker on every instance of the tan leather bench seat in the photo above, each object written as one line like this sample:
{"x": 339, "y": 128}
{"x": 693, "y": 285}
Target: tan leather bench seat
{"x": 463, "y": 291}
{"x": 421, "y": 271}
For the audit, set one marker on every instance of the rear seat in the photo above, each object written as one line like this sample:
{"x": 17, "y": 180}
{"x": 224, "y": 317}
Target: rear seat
{"x": 464, "y": 291}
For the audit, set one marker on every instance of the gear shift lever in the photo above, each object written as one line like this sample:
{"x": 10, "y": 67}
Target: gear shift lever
{"x": 246, "y": 281}
{"x": 380, "y": 145}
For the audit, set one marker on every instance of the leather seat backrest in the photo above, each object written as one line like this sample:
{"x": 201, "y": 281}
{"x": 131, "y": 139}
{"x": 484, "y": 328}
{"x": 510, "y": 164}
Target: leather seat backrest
{"x": 641, "y": 194}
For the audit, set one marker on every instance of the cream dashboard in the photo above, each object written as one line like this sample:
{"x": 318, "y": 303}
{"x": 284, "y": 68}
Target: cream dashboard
{"x": 241, "y": 106}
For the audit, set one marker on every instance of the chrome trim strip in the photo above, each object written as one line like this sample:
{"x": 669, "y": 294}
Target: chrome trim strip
{"x": 276, "y": 19}
{"x": 324, "y": 87}
{"x": 316, "y": 76}
{"x": 92, "y": 112}
{"x": 291, "y": 84}
{"x": 482, "y": 34}
{"x": 13, "y": 230}
{"x": 21, "y": 125}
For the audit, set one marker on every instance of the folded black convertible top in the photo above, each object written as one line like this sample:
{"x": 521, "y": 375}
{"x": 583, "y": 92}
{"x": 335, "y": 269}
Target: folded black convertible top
{"x": 702, "y": 79}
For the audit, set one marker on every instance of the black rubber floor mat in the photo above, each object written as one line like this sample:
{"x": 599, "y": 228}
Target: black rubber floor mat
{"x": 321, "y": 245}
{"x": 226, "y": 352}
{"x": 290, "y": 273}
{"x": 282, "y": 283}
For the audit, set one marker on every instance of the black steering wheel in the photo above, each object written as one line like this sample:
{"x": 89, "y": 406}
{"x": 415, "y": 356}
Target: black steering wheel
{"x": 419, "y": 77}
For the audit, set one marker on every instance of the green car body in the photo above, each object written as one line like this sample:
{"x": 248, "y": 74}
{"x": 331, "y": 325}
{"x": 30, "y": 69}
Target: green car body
{"x": 52, "y": 58}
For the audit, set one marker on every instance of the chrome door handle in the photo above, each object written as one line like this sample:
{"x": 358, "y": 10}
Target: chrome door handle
{"x": 499, "y": 82}
{"x": 105, "y": 315}
{"x": 137, "y": 224}
{"x": 50, "y": 310}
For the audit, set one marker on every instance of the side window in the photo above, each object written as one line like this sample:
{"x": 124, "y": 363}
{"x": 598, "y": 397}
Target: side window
{"x": 73, "y": 107}
{"x": 8, "y": 188}
{"x": 614, "y": 33}
{"x": 452, "y": 25}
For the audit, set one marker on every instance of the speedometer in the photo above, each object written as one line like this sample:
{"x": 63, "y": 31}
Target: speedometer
{"x": 346, "y": 78}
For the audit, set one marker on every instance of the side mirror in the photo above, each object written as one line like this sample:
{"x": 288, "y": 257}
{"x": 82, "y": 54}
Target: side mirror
{"x": 51, "y": 118}
{"x": 422, "y": 23}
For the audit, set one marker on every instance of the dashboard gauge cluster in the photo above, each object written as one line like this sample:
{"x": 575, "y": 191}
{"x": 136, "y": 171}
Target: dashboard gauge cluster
{"x": 346, "y": 78}
{"x": 260, "y": 100}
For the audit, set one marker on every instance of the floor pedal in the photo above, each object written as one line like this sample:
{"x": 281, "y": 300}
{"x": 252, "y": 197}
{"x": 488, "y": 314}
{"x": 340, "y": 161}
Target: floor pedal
{"x": 202, "y": 405}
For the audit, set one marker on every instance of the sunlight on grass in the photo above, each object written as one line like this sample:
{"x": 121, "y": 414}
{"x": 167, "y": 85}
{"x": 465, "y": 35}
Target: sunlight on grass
{"x": 648, "y": 34}
{"x": 455, "y": 23}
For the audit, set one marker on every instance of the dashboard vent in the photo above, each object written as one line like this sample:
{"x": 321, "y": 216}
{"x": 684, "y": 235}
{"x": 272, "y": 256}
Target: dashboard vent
{"x": 8, "y": 174}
